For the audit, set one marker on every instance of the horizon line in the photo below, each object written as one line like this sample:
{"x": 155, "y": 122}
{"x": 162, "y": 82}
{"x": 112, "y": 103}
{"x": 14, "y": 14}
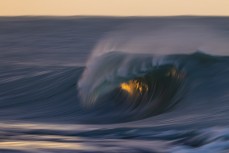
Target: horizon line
{"x": 114, "y": 16}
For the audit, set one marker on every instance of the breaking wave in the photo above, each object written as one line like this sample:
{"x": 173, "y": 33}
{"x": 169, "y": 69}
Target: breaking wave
{"x": 137, "y": 86}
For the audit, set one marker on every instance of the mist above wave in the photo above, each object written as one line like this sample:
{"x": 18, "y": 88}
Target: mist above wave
{"x": 163, "y": 38}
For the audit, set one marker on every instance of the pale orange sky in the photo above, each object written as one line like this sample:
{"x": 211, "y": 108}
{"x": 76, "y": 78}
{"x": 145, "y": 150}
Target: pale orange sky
{"x": 114, "y": 7}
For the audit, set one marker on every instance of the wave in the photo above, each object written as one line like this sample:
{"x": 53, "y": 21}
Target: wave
{"x": 136, "y": 86}
{"x": 140, "y": 70}
{"x": 120, "y": 87}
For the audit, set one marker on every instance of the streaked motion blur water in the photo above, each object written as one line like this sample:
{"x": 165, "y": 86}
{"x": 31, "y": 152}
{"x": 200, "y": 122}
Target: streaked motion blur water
{"x": 109, "y": 84}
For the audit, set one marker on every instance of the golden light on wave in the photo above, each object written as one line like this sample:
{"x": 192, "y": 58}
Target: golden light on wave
{"x": 134, "y": 87}
{"x": 175, "y": 73}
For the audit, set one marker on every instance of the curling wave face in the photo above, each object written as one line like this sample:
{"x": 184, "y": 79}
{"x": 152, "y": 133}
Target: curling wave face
{"x": 136, "y": 86}
{"x": 126, "y": 87}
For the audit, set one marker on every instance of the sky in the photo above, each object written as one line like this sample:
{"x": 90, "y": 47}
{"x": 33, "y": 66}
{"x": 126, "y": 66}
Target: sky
{"x": 114, "y": 7}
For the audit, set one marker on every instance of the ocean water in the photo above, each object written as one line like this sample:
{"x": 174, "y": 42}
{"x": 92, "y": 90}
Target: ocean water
{"x": 114, "y": 84}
